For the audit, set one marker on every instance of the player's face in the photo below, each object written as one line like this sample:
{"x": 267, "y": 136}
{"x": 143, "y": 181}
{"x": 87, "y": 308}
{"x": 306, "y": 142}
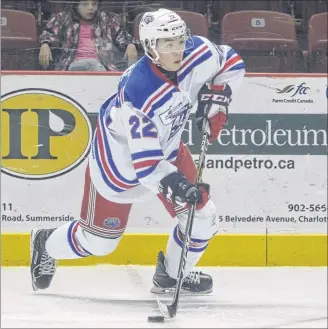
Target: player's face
{"x": 87, "y": 9}
{"x": 170, "y": 52}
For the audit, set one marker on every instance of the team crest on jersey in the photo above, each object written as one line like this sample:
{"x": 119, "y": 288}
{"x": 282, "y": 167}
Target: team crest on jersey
{"x": 175, "y": 116}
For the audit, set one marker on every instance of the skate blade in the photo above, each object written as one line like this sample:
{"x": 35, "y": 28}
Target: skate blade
{"x": 170, "y": 291}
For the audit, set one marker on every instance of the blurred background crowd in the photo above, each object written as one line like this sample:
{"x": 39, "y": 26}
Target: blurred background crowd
{"x": 102, "y": 35}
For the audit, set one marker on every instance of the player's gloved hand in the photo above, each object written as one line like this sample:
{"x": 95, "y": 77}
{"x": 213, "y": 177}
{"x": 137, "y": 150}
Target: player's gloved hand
{"x": 177, "y": 189}
{"x": 220, "y": 98}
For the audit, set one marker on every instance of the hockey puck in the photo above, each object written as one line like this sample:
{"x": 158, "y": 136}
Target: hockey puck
{"x": 156, "y": 318}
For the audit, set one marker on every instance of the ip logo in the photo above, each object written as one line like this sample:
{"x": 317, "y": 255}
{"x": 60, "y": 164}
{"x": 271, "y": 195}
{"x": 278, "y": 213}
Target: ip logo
{"x": 44, "y": 133}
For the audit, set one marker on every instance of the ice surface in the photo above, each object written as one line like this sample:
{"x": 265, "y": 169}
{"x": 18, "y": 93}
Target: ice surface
{"x": 118, "y": 296}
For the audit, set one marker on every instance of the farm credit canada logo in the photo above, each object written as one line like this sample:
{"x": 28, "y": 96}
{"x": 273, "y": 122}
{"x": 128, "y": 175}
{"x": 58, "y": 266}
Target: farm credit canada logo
{"x": 293, "y": 94}
{"x": 44, "y": 133}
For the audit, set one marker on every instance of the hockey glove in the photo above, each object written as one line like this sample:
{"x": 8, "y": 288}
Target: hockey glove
{"x": 220, "y": 98}
{"x": 176, "y": 189}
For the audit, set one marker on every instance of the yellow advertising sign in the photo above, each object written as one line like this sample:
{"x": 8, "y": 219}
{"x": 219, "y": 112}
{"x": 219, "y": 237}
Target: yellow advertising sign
{"x": 44, "y": 133}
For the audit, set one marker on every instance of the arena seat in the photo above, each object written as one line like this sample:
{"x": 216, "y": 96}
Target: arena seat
{"x": 222, "y": 7}
{"x": 18, "y": 39}
{"x": 317, "y": 43}
{"x": 265, "y": 39}
{"x": 312, "y": 8}
{"x": 196, "y": 22}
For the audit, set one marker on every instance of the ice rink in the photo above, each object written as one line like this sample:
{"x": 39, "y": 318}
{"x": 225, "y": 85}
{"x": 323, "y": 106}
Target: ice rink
{"x": 118, "y": 296}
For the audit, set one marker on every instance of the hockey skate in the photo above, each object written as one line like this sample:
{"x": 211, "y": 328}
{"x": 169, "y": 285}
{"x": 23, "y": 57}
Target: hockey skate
{"x": 43, "y": 267}
{"x": 195, "y": 283}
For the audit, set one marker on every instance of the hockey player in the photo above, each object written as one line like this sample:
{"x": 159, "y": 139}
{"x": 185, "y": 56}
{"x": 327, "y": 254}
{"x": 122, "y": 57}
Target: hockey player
{"x": 137, "y": 153}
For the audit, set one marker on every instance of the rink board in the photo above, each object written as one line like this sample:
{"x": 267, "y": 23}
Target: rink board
{"x": 223, "y": 250}
{"x": 283, "y": 123}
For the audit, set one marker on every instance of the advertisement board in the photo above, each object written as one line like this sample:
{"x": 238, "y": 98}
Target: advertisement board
{"x": 267, "y": 170}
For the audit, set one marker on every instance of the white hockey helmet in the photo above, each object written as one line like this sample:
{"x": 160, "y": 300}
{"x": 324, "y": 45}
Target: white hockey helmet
{"x": 161, "y": 24}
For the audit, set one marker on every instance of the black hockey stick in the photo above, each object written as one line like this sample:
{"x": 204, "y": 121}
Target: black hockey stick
{"x": 169, "y": 311}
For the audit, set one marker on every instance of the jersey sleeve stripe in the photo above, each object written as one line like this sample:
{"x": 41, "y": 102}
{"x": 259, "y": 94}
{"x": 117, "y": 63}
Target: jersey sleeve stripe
{"x": 105, "y": 168}
{"x": 202, "y": 58}
{"x": 103, "y": 173}
{"x": 156, "y": 96}
{"x": 236, "y": 67}
{"x": 147, "y": 154}
{"x": 109, "y": 157}
{"x": 144, "y": 173}
{"x": 172, "y": 156}
{"x": 105, "y": 164}
{"x": 146, "y": 163}
{"x": 165, "y": 98}
{"x": 164, "y": 85}
{"x": 192, "y": 56}
{"x": 230, "y": 53}
{"x": 234, "y": 60}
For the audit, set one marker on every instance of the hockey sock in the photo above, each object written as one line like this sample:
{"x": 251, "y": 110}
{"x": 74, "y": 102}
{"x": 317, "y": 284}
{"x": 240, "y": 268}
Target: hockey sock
{"x": 65, "y": 242}
{"x": 173, "y": 253}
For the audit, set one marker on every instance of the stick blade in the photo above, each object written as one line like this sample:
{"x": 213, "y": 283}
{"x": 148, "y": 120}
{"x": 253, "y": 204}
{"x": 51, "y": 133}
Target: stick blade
{"x": 166, "y": 310}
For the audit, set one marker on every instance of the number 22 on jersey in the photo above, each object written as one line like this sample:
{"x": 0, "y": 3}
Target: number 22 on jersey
{"x": 142, "y": 127}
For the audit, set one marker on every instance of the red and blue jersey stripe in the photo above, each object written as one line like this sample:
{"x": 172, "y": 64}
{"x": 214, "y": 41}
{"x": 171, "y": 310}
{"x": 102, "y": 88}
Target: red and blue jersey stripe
{"x": 233, "y": 62}
{"x": 104, "y": 158}
{"x": 199, "y": 54}
{"x": 145, "y": 162}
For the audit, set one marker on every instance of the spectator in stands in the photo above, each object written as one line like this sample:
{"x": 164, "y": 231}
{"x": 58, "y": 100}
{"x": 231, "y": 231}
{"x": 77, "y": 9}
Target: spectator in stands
{"x": 88, "y": 39}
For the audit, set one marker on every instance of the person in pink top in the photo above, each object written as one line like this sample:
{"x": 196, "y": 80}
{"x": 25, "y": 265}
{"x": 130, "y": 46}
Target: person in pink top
{"x": 88, "y": 39}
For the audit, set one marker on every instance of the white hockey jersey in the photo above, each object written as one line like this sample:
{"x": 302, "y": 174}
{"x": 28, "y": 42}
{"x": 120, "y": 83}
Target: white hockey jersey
{"x": 139, "y": 128}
